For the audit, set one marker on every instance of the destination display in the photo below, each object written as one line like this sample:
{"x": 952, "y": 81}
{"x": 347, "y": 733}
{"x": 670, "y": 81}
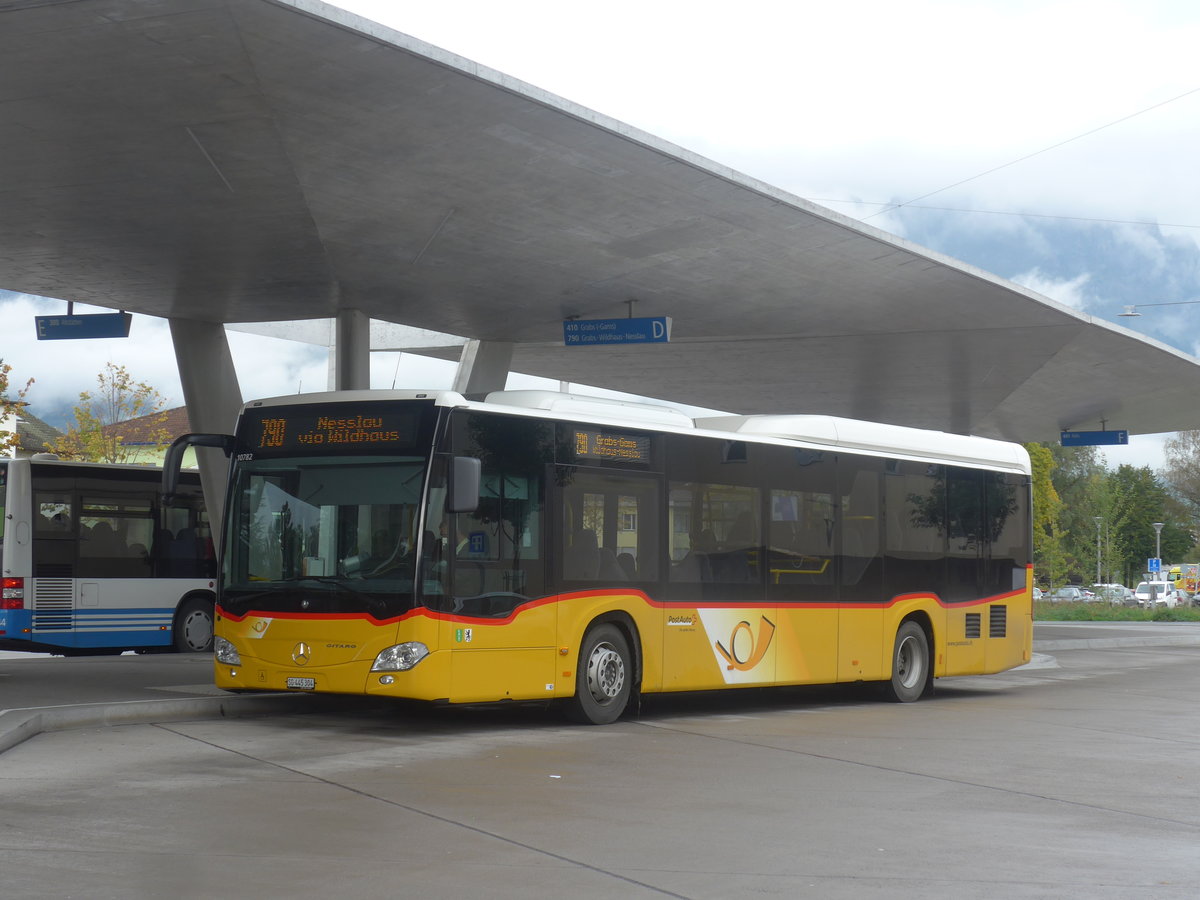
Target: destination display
{"x": 610, "y": 446}
{"x": 1093, "y": 438}
{"x": 598, "y": 332}
{"x": 71, "y": 327}
{"x": 297, "y": 430}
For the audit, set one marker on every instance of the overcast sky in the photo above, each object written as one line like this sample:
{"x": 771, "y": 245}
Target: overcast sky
{"x": 1079, "y": 110}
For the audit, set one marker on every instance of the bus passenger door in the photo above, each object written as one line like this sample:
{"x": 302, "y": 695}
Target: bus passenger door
{"x": 720, "y": 629}
{"x": 863, "y": 649}
{"x": 489, "y": 565}
{"x": 802, "y": 565}
{"x": 608, "y": 560}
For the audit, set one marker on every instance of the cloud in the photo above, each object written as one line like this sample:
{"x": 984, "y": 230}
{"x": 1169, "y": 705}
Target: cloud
{"x": 1067, "y": 292}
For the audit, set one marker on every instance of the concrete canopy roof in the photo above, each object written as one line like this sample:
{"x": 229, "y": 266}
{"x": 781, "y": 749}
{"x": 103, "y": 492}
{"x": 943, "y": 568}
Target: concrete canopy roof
{"x": 260, "y": 160}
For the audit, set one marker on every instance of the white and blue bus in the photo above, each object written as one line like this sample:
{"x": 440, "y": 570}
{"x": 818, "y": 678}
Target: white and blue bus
{"x": 91, "y": 561}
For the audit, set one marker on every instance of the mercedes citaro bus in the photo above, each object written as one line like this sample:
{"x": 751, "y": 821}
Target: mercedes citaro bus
{"x": 543, "y": 546}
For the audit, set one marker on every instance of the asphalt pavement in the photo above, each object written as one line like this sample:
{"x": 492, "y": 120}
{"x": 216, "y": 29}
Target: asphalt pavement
{"x": 1072, "y": 778}
{"x": 41, "y": 693}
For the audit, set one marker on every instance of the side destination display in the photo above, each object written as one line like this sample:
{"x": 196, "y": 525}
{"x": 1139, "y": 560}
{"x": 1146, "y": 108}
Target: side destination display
{"x": 609, "y": 446}
{"x": 600, "y": 332}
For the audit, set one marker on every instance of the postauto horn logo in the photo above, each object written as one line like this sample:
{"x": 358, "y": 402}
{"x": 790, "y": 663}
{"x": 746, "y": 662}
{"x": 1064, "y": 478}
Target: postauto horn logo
{"x": 746, "y": 653}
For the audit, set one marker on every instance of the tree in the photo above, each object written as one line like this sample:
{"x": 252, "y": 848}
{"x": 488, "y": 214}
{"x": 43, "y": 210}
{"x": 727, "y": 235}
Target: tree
{"x": 1147, "y": 500}
{"x": 10, "y": 406}
{"x": 1112, "y": 508}
{"x": 1049, "y": 559}
{"x": 1182, "y": 470}
{"x": 118, "y": 398}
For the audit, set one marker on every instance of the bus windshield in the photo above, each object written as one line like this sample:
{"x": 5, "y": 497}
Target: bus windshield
{"x": 334, "y": 534}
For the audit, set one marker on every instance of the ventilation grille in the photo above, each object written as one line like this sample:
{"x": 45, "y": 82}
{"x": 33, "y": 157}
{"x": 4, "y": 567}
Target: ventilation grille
{"x": 53, "y": 593}
{"x": 973, "y": 626}
{"x": 53, "y": 604}
{"x": 999, "y": 623}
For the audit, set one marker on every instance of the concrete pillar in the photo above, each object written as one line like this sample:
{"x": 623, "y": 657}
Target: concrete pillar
{"x": 213, "y": 398}
{"x": 352, "y": 349}
{"x": 483, "y": 367}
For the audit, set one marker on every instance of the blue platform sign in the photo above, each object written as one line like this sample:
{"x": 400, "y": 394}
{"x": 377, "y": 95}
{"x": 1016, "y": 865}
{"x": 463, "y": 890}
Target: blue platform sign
{"x": 67, "y": 328}
{"x": 1093, "y": 438}
{"x": 602, "y": 332}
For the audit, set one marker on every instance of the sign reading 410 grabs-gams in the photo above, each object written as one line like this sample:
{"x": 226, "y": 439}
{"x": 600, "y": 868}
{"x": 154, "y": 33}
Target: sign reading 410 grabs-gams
{"x": 606, "y": 332}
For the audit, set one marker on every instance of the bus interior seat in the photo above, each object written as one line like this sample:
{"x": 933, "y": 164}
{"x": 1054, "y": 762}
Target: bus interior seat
{"x": 582, "y": 559}
{"x": 609, "y": 569}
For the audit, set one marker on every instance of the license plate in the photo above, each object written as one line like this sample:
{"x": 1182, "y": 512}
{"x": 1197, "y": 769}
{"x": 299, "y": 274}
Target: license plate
{"x": 302, "y": 684}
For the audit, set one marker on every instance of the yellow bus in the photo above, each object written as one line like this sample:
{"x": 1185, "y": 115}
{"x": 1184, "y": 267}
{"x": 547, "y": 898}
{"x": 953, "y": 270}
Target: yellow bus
{"x": 536, "y": 546}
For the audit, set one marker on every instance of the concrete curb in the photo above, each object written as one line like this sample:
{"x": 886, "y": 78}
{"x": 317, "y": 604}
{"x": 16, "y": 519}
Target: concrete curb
{"x": 19, "y": 725}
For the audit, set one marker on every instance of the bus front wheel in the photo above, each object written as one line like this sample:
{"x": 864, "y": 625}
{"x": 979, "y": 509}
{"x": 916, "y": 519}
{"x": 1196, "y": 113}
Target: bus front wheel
{"x": 604, "y": 678}
{"x": 194, "y": 626}
{"x": 910, "y": 664}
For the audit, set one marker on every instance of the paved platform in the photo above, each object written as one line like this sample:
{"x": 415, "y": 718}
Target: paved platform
{"x": 1074, "y": 778}
{"x": 40, "y": 693}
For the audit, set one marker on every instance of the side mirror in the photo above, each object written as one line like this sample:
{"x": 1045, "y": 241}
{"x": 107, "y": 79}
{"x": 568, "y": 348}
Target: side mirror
{"x": 173, "y": 461}
{"x": 466, "y": 477}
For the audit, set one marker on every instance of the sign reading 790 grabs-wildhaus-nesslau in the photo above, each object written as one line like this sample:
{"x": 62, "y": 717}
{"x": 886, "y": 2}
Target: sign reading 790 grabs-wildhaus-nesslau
{"x": 603, "y": 332}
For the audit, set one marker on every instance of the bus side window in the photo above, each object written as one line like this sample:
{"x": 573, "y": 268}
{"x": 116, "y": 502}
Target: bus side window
{"x": 714, "y": 533}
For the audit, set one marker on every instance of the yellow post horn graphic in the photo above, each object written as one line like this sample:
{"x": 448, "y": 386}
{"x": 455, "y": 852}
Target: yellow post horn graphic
{"x": 758, "y": 648}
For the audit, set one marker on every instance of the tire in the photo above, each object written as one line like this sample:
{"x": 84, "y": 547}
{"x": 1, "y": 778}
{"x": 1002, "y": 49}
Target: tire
{"x": 604, "y": 680}
{"x": 911, "y": 672}
{"x": 193, "y": 631}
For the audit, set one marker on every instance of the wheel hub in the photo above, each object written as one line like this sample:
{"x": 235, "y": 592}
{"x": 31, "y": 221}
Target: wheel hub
{"x": 605, "y": 673}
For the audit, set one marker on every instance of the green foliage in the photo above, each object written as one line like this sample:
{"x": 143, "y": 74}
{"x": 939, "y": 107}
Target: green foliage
{"x": 118, "y": 398}
{"x": 1072, "y": 488}
{"x": 1050, "y": 562}
{"x": 1105, "y": 612}
{"x": 10, "y": 406}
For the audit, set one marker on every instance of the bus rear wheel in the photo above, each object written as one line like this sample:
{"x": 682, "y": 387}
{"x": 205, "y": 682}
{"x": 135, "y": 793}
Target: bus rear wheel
{"x": 911, "y": 673}
{"x": 193, "y": 631}
{"x": 604, "y": 678}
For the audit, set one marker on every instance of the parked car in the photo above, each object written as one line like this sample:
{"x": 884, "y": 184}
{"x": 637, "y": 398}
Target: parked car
{"x": 1069, "y": 594}
{"x": 1158, "y": 593}
{"x": 1115, "y": 594}
{"x": 1037, "y": 593}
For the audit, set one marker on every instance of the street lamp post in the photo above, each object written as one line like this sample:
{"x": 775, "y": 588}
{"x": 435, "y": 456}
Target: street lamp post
{"x": 1158, "y": 527}
{"x": 1099, "y": 522}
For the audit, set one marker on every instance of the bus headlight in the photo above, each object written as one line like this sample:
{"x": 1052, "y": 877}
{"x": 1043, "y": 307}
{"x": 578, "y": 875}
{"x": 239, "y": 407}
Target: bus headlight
{"x": 401, "y": 657}
{"x": 226, "y": 652}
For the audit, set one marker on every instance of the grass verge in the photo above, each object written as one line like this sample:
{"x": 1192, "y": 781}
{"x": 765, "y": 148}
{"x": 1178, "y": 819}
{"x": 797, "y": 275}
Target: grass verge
{"x": 1103, "y": 612}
